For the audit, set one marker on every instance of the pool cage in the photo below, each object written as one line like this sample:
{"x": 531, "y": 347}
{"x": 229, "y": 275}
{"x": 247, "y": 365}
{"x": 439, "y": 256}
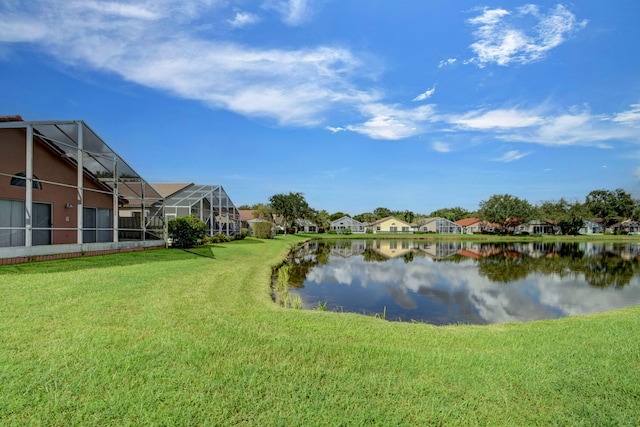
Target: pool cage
{"x": 210, "y": 203}
{"x": 61, "y": 184}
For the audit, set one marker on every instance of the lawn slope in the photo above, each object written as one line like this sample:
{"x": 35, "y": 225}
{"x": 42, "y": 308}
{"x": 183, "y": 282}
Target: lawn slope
{"x": 171, "y": 338}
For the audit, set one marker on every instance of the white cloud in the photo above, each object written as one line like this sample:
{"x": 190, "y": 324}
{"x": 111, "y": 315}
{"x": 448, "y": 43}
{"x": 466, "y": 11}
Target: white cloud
{"x": 155, "y": 44}
{"x": 511, "y": 156}
{"x": 441, "y": 147}
{"x": 243, "y": 19}
{"x": 630, "y": 117}
{"x": 393, "y": 122}
{"x": 446, "y": 62}
{"x": 575, "y": 128}
{"x": 503, "y": 37}
{"x": 425, "y": 95}
{"x": 116, "y": 9}
{"x": 497, "y": 119}
{"x": 293, "y": 12}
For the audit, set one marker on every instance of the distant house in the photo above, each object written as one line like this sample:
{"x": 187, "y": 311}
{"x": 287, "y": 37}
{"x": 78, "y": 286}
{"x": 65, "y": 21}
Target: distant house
{"x": 341, "y": 224}
{"x": 440, "y": 226}
{"x": 476, "y": 226}
{"x": 590, "y": 227}
{"x": 627, "y": 226}
{"x": 536, "y": 226}
{"x": 306, "y": 226}
{"x": 391, "y": 225}
{"x": 210, "y": 203}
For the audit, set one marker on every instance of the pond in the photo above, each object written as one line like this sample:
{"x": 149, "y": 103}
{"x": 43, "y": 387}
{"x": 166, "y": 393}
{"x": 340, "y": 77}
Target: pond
{"x": 451, "y": 282}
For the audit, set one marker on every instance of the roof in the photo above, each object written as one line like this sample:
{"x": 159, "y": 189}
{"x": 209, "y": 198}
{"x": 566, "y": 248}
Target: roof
{"x": 169, "y": 189}
{"x": 346, "y": 218}
{"x": 389, "y": 218}
{"x": 466, "y": 222}
{"x": 98, "y": 159}
{"x": 246, "y": 214}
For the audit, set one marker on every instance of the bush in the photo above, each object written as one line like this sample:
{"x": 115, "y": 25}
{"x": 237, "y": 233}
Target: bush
{"x": 243, "y": 234}
{"x": 331, "y": 232}
{"x": 217, "y": 238}
{"x": 186, "y": 231}
{"x": 262, "y": 230}
{"x": 346, "y": 230}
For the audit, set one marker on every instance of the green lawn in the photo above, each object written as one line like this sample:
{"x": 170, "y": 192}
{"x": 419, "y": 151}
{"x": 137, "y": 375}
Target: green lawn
{"x": 171, "y": 338}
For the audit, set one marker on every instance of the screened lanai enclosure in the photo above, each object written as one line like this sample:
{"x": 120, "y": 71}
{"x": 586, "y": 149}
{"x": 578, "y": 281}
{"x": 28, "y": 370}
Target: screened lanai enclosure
{"x": 210, "y": 203}
{"x": 62, "y": 186}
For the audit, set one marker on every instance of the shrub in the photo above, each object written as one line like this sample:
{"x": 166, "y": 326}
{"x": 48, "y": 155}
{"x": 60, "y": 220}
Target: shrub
{"x": 331, "y": 232}
{"x": 346, "y": 230}
{"x": 262, "y": 230}
{"x": 217, "y": 238}
{"x": 186, "y": 231}
{"x": 243, "y": 234}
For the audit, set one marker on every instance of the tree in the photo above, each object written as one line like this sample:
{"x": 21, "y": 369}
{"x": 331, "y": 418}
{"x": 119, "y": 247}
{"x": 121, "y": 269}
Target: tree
{"x": 406, "y": 216}
{"x": 568, "y": 216}
{"x": 244, "y": 207}
{"x": 610, "y": 206}
{"x": 366, "y": 218}
{"x": 263, "y": 211}
{"x": 382, "y": 213}
{"x": 290, "y": 206}
{"x": 186, "y": 231}
{"x": 337, "y": 215}
{"x": 452, "y": 214}
{"x": 321, "y": 218}
{"x": 501, "y": 208}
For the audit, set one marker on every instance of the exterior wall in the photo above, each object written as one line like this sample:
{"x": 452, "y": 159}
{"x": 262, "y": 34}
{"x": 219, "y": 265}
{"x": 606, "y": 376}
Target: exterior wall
{"x": 347, "y": 222}
{"x": 591, "y": 227}
{"x": 393, "y": 248}
{"x": 48, "y": 166}
{"x": 391, "y": 225}
{"x": 19, "y": 255}
{"x": 536, "y": 227}
{"x": 441, "y": 226}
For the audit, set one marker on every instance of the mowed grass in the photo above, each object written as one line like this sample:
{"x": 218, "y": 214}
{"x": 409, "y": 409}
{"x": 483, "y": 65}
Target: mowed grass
{"x": 171, "y": 338}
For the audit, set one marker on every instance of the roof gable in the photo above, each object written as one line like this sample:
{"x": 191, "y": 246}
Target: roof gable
{"x": 167, "y": 190}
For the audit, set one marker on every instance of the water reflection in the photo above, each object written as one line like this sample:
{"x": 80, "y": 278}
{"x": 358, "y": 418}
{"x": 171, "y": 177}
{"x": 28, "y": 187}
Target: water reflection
{"x": 451, "y": 282}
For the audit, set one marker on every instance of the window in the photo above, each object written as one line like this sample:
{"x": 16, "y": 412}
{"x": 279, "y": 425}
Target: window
{"x": 12, "y": 223}
{"x": 20, "y": 180}
{"x": 97, "y": 225}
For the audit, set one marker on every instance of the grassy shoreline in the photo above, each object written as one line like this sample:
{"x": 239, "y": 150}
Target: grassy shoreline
{"x": 482, "y": 237}
{"x": 170, "y": 338}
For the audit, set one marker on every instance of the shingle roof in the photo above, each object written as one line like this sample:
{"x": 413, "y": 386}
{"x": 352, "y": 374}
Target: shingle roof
{"x": 167, "y": 190}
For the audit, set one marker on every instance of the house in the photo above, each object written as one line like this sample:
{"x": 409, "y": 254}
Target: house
{"x": 341, "y": 224}
{"x": 210, "y": 203}
{"x": 535, "y": 226}
{"x": 64, "y": 192}
{"x": 391, "y": 225}
{"x": 306, "y": 226}
{"x": 627, "y": 226}
{"x": 590, "y": 227}
{"x": 476, "y": 226}
{"x": 440, "y": 226}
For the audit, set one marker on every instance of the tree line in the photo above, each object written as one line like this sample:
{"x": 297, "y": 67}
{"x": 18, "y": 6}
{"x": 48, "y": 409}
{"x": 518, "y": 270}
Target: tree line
{"x": 605, "y": 206}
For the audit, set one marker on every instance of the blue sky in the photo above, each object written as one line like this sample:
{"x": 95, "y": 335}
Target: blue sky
{"x": 408, "y": 105}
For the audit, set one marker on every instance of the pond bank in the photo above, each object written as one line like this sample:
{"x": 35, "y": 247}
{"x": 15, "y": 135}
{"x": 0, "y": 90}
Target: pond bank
{"x": 170, "y": 338}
